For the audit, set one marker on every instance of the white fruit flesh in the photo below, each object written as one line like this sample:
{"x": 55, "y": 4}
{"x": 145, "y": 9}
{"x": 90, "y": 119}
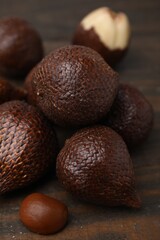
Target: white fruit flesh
{"x": 112, "y": 28}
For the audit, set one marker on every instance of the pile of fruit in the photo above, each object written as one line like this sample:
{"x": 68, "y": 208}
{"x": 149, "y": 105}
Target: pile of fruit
{"x": 73, "y": 86}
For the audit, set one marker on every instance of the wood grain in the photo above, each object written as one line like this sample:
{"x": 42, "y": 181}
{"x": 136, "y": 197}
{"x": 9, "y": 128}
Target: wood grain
{"x": 56, "y": 21}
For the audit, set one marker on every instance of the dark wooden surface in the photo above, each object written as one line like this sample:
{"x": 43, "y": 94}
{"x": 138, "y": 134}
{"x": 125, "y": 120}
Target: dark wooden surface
{"x": 56, "y": 21}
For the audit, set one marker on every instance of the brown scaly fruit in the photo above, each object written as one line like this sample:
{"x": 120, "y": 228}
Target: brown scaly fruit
{"x": 27, "y": 145}
{"x": 20, "y": 47}
{"x": 131, "y": 115}
{"x": 105, "y": 31}
{"x": 73, "y": 86}
{"x": 95, "y": 166}
{"x": 9, "y": 92}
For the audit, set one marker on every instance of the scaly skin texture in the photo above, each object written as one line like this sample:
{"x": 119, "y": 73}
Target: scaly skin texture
{"x": 95, "y": 165}
{"x": 27, "y": 145}
{"x": 74, "y": 86}
{"x": 9, "y": 92}
{"x": 131, "y": 115}
{"x": 20, "y": 47}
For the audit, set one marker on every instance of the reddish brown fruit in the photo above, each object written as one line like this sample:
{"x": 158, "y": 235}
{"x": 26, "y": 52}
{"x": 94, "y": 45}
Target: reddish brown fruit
{"x": 73, "y": 86}
{"x": 20, "y": 47}
{"x": 9, "y": 92}
{"x": 95, "y": 165}
{"x": 43, "y": 214}
{"x": 27, "y": 145}
{"x": 105, "y": 31}
{"x": 131, "y": 115}
{"x": 90, "y": 39}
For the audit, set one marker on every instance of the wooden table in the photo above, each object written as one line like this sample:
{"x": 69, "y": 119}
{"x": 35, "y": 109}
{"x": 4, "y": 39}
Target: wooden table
{"x": 56, "y": 21}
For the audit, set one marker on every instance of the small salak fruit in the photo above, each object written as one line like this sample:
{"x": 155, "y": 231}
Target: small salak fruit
{"x": 73, "y": 86}
{"x": 105, "y": 31}
{"x": 28, "y": 145}
{"x": 21, "y": 47}
{"x": 131, "y": 115}
{"x": 95, "y": 166}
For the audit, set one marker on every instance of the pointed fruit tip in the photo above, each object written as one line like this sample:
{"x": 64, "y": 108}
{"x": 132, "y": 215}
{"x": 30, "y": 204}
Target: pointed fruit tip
{"x": 133, "y": 201}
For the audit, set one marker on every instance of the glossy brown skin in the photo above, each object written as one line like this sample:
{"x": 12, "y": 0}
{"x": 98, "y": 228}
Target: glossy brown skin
{"x": 43, "y": 214}
{"x": 28, "y": 145}
{"x": 9, "y": 92}
{"x": 20, "y": 47}
{"x": 74, "y": 86}
{"x": 131, "y": 115}
{"x": 89, "y": 38}
{"x": 95, "y": 166}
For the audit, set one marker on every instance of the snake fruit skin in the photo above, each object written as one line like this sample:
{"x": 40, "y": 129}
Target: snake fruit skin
{"x": 9, "y": 92}
{"x": 95, "y": 166}
{"x": 131, "y": 115}
{"x": 21, "y": 47}
{"x": 27, "y": 145}
{"x": 73, "y": 86}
